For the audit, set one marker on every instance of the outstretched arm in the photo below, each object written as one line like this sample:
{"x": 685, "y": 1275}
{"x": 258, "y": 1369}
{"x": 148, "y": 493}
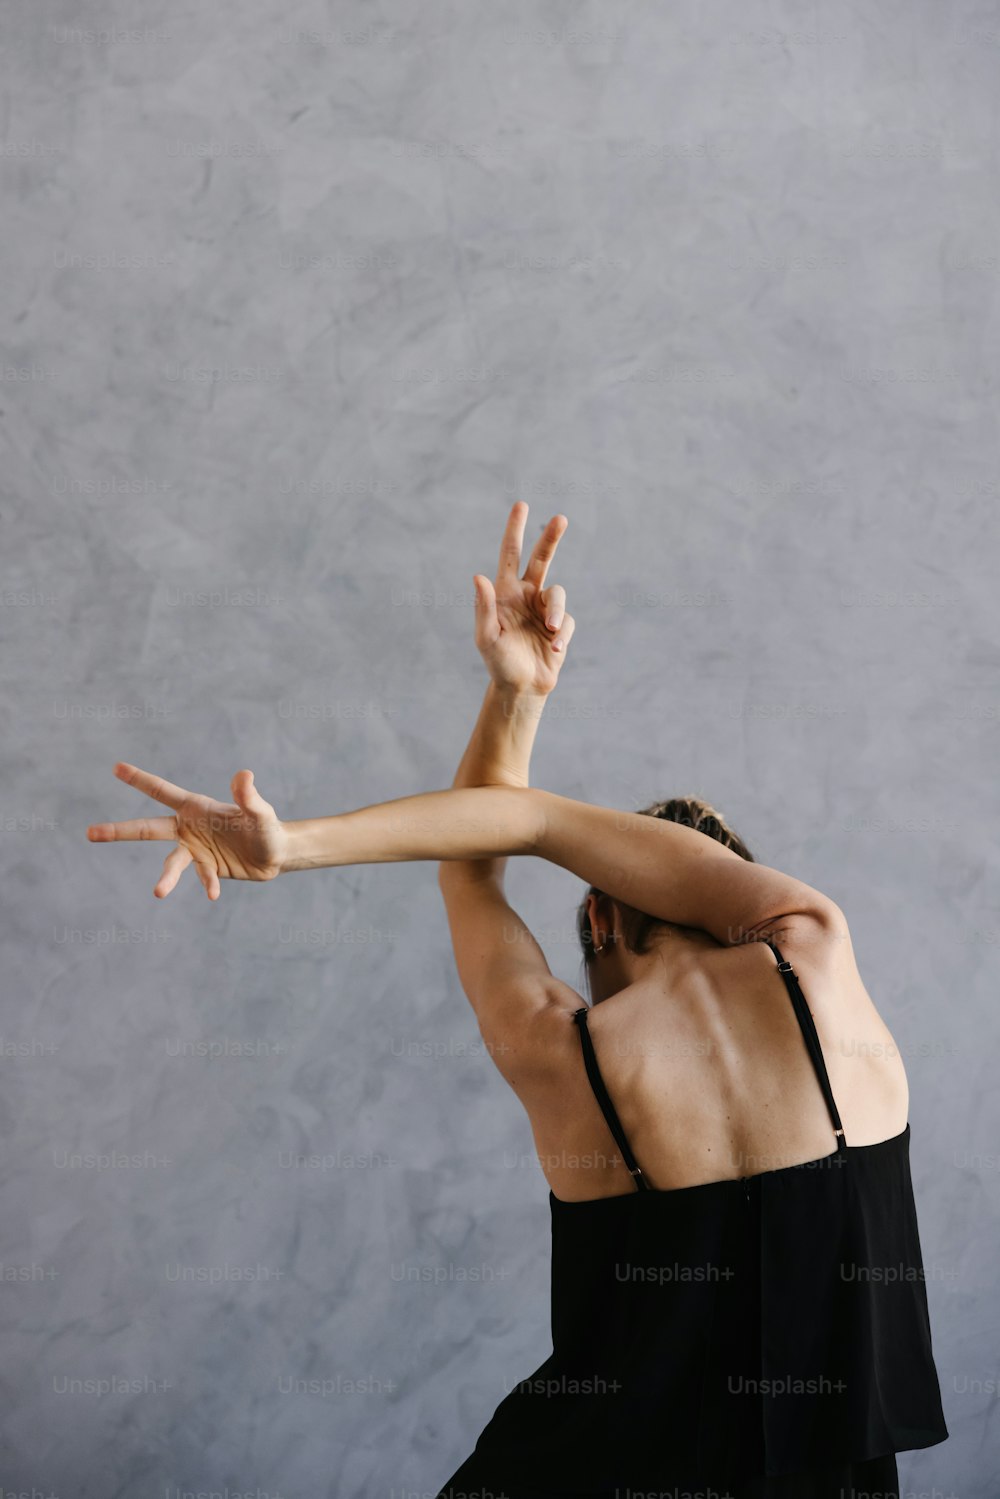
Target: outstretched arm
{"x": 660, "y": 867}
{"x": 663, "y": 868}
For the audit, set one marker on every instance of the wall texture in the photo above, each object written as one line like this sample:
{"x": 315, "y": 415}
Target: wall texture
{"x": 297, "y": 300}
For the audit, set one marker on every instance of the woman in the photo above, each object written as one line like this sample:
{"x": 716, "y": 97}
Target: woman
{"x": 738, "y": 1304}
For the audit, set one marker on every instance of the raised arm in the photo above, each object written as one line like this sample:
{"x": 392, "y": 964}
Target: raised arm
{"x": 667, "y": 870}
{"x": 522, "y": 630}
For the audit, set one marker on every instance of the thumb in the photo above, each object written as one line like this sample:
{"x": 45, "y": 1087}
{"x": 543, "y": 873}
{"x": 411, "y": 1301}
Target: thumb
{"x": 487, "y": 622}
{"x": 246, "y": 795}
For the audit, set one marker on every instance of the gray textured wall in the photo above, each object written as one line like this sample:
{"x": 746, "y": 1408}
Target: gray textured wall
{"x": 297, "y": 300}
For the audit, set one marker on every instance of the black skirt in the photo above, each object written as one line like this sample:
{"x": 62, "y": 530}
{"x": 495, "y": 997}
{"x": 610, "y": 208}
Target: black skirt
{"x": 877, "y": 1478}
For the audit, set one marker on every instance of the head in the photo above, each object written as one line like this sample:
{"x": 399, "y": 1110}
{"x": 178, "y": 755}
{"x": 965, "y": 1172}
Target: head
{"x": 619, "y": 942}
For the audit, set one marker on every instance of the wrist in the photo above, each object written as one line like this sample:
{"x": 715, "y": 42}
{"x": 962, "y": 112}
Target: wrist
{"x": 501, "y": 747}
{"x": 295, "y": 852}
{"x": 516, "y": 702}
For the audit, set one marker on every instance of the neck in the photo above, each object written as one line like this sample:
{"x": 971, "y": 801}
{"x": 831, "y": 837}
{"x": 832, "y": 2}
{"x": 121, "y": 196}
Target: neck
{"x": 669, "y": 958}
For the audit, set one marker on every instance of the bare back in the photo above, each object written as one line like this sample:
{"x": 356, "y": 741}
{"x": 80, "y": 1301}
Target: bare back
{"x": 713, "y": 1080}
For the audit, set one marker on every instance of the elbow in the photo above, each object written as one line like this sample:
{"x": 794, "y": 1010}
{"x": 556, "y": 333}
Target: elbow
{"x": 824, "y": 919}
{"x": 826, "y": 911}
{"x": 813, "y": 917}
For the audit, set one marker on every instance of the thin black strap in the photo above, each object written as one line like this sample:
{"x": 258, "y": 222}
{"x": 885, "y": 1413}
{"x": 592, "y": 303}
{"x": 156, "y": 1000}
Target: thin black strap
{"x": 803, "y": 1015}
{"x": 603, "y": 1098}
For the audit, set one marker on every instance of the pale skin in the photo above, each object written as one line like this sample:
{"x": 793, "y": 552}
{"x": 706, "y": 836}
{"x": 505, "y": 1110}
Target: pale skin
{"x": 701, "y": 1021}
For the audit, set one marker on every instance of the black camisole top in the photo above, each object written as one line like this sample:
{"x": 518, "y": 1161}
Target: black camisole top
{"x": 737, "y": 1329}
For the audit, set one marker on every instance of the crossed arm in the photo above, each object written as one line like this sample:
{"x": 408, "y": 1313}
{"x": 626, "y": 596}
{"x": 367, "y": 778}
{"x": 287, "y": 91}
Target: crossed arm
{"x": 663, "y": 868}
{"x": 490, "y": 813}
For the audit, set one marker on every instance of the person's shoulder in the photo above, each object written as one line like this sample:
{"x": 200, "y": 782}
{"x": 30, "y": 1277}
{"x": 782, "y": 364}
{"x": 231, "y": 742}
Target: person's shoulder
{"x": 818, "y": 945}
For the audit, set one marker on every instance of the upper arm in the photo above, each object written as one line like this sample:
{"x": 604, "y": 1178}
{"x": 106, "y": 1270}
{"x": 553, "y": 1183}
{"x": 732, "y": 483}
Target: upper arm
{"x": 738, "y": 901}
{"x": 503, "y": 972}
{"x": 672, "y": 872}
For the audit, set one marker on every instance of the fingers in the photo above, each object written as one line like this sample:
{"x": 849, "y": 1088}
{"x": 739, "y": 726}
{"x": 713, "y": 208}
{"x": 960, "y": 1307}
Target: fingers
{"x": 134, "y": 827}
{"x": 210, "y": 879}
{"x": 247, "y": 797}
{"x": 154, "y": 786}
{"x": 174, "y": 866}
{"x": 565, "y": 635}
{"x": 552, "y": 605}
{"x": 487, "y": 619}
{"x": 510, "y": 546}
{"x": 544, "y": 550}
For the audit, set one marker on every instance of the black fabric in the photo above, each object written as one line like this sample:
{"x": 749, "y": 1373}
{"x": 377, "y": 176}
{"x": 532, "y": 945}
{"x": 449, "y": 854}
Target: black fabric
{"x": 877, "y": 1478}
{"x": 760, "y": 1331}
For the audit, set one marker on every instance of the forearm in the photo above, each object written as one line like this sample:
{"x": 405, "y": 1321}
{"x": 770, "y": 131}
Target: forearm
{"x": 483, "y": 822}
{"x": 499, "y": 749}
{"x": 498, "y": 754}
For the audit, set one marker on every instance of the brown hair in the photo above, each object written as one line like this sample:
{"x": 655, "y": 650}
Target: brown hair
{"x": 638, "y": 926}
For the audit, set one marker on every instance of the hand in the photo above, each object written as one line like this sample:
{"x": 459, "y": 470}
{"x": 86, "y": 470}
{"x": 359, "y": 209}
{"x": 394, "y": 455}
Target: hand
{"x": 224, "y": 840}
{"x": 523, "y": 651}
